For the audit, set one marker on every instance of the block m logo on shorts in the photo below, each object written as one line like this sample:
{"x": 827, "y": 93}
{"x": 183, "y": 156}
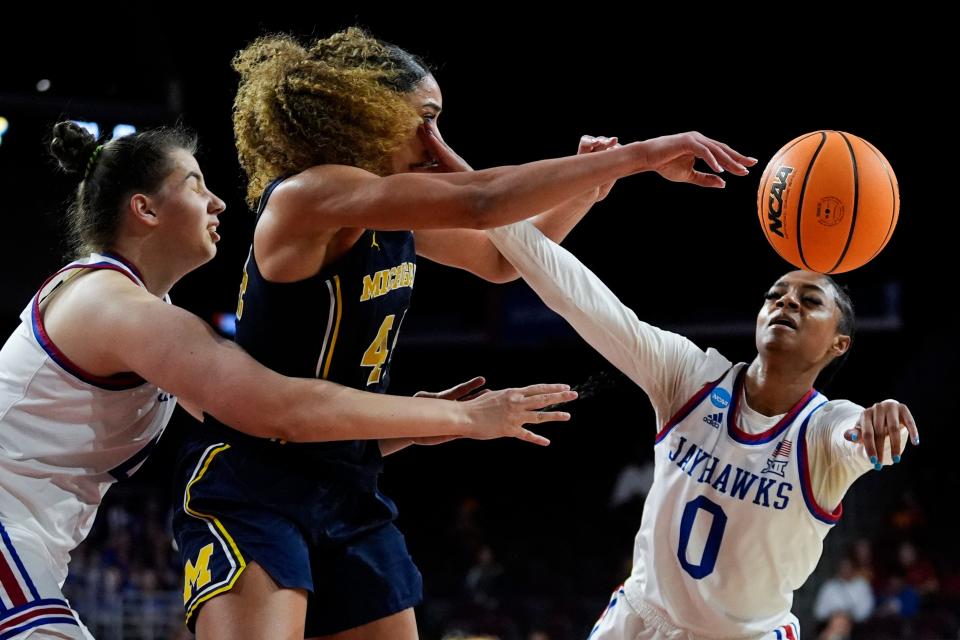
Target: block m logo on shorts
{"x": 197, "y": 576}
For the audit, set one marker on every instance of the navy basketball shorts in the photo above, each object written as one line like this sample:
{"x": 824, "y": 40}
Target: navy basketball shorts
{"x": 238, "y": 508}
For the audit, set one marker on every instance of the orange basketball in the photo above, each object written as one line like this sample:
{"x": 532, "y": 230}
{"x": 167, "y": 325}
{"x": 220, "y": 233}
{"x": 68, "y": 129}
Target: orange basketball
{"x": 828, "y": 202}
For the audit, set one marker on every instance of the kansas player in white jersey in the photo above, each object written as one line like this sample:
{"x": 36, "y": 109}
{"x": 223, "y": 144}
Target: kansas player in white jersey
{"x": 89, "y": 379}
{"x": 751, "y": 463}
{"x": 66, "y": 436}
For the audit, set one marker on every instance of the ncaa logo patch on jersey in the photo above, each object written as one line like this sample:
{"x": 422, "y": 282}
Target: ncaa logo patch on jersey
{"x": 720, "y": 398}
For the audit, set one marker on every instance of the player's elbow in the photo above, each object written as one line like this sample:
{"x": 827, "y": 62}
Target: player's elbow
{"x": 501, "y": 272}
{"x": 256, "y": 422}
{"x": 255, "y": 411}
{"x": 309, "y": 411}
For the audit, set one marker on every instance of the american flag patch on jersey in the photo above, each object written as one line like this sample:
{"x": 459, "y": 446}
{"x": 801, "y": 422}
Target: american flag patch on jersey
{"x": 783, "y": 449}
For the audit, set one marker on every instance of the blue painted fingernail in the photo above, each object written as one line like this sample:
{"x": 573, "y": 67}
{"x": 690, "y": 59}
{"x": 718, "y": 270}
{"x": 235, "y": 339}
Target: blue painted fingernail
{"x": 878, "y": 466}
{"x": 896, "y": 459}
{"x": 873, "y": 459}
{"x": 916, "y": 440}
{"x": 853, "y": 437}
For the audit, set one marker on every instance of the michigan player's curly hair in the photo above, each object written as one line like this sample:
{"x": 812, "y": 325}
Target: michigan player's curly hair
{"x": 339, "y": 100}
{"x": 111, "y": 172}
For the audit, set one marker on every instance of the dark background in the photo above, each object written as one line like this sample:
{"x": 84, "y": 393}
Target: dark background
{"x": 686, "y": 259}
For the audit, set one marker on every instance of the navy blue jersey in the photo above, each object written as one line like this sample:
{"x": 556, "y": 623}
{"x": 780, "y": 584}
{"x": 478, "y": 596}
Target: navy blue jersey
{"x": 340, "y": 325}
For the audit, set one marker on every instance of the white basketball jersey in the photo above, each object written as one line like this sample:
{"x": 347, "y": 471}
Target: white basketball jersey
{"x": 730, "y": 528}
{"x": 67, "y": 435}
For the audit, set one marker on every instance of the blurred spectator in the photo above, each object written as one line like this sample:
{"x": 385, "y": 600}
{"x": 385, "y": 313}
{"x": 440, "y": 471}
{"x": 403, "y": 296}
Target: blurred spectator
{"x": 846, "y": 592}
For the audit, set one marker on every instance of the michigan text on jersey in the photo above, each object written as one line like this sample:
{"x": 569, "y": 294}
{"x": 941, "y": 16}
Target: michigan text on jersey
{"x": 386, "y": 280}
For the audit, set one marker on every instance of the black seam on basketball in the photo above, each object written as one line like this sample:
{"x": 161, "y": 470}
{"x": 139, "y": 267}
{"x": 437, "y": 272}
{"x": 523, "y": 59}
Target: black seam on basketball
{"x": 856, "y": 200}
{"x": 893, "y": 194}
{"x": 803, "y": 190}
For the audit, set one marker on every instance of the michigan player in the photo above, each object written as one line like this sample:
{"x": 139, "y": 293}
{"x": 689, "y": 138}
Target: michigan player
{"x": 340, "y": 144}
{"x": 89, "y": 379}
{"x": 751, "y": 463}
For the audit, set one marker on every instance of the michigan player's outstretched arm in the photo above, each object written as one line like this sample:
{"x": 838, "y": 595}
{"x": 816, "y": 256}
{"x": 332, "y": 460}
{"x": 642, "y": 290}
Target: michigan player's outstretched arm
{"x": 337, "y": 196}
{"x": 308, "y": 220}
{"x": 471, "y": 250}
{"x": 180, "y": 353}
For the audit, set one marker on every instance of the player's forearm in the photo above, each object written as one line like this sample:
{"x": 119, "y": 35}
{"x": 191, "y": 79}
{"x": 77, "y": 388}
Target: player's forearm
{"x": 306, "y": 410}
{"x": 502, "y": 195}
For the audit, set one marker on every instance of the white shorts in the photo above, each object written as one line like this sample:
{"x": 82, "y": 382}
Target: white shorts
{"x": 621, "y": 621}
{"x": 31, "y": 602}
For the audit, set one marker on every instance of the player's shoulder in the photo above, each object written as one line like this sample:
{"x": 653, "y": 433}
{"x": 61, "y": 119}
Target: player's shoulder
{"x": 833, "y": 413}
{"x": 709, "y": 365}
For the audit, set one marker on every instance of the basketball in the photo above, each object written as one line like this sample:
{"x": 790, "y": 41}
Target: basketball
{"x": 828, "y": 202}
